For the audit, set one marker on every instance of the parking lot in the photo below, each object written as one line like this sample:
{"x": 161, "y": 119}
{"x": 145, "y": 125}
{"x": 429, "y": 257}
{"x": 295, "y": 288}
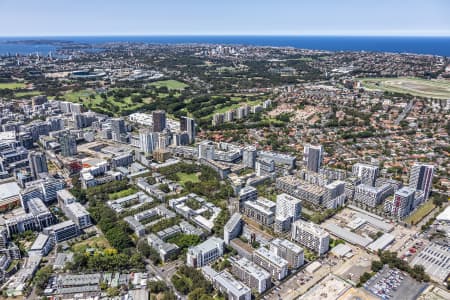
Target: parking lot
{"x": 394, "y": 284}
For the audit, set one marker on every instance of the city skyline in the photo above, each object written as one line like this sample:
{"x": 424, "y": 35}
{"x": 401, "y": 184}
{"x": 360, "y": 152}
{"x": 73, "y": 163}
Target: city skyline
{"x": 321, "y": 18}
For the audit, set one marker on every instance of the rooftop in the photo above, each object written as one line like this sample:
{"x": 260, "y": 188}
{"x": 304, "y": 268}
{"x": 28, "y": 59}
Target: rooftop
{"x": 79, "y": 280}
{"x": 382, "y": 242}
{"x": 341, "y": 250}
{"x": 257, "y": 206}
{"x": 208, "y": 245}
{"x": 445, "y": 215}
{"x": 65, "y": 194}
{"x": 405, "y": 191}
{"x": 436, "y": 260}
{"x": 8, "y": 190}
{"x": 40, "y": 242}
{"x": 287, "y": 244}
{"x": 311, "y": 228}
{"x": 252, "y": 268}
{"x": 60, "y": 226}
{"x": 272, "y": 257}
{"x": 233, "y": 221}
{"x": 77, "y": 209}
{"x": 347, "y": 235}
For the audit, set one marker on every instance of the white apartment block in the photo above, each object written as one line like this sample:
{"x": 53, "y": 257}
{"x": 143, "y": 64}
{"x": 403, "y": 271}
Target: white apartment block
{"x": 78, "y": 214}
{"x": 372, "y": 196}
{"x": 251, "y": 274}
{"x": 261, "y": 210}
{"x": 288, "y": 210}
{"x": 311, "y": 236}
{"x": 276, "y": 265}
{"x": 232, "y": 228}
{"x": 367, "y": 173}
{"x": 289, "y": 251}
{"x": 205, "y": 253}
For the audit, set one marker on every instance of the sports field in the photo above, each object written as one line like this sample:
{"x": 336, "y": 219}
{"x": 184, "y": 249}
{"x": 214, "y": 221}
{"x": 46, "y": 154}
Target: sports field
{"x": 439, "y": 89}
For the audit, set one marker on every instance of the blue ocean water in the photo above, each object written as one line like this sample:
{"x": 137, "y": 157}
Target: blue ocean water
{"x": 418, "y": 45}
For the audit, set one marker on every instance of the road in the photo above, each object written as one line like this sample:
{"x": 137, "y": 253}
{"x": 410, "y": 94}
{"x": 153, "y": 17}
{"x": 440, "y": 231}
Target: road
{"x": 404, "y": 113}
{"x": 165, "y": 275}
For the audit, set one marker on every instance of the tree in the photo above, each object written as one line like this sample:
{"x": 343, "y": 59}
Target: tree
{"x": 169, "y": 295}
{"x": 113, "y": 292}
{"x": 144, "y": 248}
{"x": 164, "y": 187}
{"x": 180, "y": 284}
{"x": 154, "y": 256}
{"x": 185, "y": 240}
{"x": 196, "y": 294}
{"x": 376, "y": 265}
{"x": 118, "y": 238}
{"x": 439, "y": 199}
{"x": 157, "y": 286}
{"x": 41, "y": 277}
{"x": 136, "y": 261}
{"x": 364, "y": 277}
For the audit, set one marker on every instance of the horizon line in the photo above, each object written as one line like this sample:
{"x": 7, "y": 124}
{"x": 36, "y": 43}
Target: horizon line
{"x": 444, "y": 35}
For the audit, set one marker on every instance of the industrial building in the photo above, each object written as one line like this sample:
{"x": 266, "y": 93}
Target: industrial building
{"x": 435, "y": 259}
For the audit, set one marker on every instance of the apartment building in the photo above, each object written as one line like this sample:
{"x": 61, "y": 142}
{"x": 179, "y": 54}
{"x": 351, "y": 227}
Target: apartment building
{"x": 232, "y": 228}
{"x": 289, "y": 251}
{"x": 261, "y": 210}
{"x": 276, "y": 265}
{"x": 62, "y": 231}
{"x": 204, "y": 253}
{"x": 367, "y": 173}
{"x": 227, "y": 284}
{"x": 288, "y": 210}
{"x": 301, "y": 189}
{"x": 311, "y": 236}
{"x": 251, "y": 274}
{"x": 78, "y": 214}
{"x": 372, "y": 196}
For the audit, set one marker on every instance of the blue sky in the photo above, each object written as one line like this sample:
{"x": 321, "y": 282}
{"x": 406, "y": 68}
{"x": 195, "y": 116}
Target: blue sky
{"x": 224, "y": 17}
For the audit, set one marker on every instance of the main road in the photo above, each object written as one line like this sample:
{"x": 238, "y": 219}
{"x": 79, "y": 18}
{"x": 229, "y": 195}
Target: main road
{"x": 165, "y": 275}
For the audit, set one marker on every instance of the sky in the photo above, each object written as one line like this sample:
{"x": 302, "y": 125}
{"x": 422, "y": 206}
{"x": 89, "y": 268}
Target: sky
{"x": 224, "y": 17}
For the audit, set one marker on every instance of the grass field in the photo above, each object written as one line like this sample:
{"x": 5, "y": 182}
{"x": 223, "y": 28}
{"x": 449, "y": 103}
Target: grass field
{"x": 92, "y": 99}
{"x": 170, "y": 84}
{"x": 185, "y": 177}
{"x": 122, "y": 193}
{"x": 439, "y": 89}
{"x": 99, "y": 242}
{"x": 420, "y": 213}
{"x": 12, "y": 85}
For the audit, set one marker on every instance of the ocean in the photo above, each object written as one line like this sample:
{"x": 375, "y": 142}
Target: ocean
{"x": 417, "y": 45}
